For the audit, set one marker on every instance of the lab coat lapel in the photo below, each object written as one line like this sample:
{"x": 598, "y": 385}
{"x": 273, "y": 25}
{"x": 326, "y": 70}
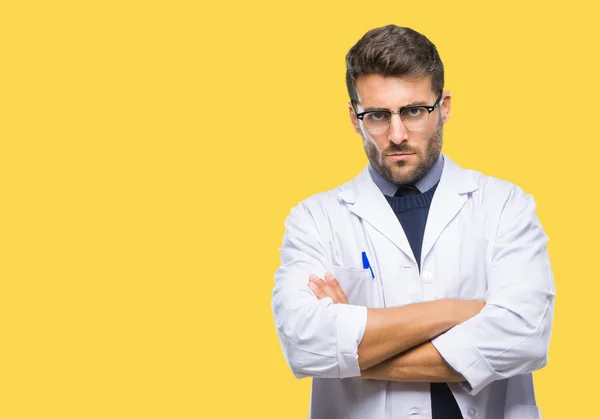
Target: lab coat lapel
{"x": 449, "y": 198}
{"x": 366, "y": 201}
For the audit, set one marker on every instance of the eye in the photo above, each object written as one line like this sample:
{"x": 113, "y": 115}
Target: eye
{"x": 414, "y": 112}
{"x": 377, "y": 116}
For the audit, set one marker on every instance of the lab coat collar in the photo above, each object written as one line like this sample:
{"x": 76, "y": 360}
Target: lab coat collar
{"x": 366, "y": 200}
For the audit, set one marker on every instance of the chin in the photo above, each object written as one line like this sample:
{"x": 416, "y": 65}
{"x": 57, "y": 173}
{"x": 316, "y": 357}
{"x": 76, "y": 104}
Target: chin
{"x": 402, "y": 176}
{"x": 402, "y": 168}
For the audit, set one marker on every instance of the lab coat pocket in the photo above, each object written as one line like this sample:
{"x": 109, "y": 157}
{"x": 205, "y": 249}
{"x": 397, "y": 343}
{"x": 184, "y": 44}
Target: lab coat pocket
{"x": 357, "y": 284}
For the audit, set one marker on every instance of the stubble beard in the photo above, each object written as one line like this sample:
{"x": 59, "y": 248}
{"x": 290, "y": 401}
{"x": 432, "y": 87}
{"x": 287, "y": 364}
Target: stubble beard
{"x": 377, "y": 158}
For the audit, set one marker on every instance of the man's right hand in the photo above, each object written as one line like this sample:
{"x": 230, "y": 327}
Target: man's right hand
{"x": 391, "y": 331}
{"x": 459, "y": 310}
{"x": 329, "y": 287}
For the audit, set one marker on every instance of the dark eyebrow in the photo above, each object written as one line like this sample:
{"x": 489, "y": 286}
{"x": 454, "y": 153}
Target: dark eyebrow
{"x": 416, "y": 103}
{"x": 376, "y": 109}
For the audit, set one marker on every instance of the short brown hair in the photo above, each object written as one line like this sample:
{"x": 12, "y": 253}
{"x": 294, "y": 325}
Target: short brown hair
{"x": 394, "y": 51}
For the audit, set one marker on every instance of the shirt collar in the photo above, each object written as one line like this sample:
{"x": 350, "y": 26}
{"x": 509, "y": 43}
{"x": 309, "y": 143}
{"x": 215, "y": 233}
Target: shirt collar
{"x": 423, "y": 185}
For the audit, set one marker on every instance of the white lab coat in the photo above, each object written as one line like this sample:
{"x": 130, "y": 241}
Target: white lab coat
{"x": 483, "y": 240}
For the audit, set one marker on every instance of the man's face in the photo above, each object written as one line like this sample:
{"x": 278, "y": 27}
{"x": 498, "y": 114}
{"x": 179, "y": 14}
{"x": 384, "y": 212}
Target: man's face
{"x": 399, "y": 155}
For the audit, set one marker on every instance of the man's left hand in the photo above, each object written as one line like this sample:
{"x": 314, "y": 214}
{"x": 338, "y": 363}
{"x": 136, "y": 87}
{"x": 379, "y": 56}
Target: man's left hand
{"x": 329, "y": 287}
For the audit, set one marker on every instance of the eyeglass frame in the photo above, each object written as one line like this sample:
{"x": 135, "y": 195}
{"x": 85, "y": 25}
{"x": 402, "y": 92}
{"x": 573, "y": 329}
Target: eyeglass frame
{"x": 429, "y": 109}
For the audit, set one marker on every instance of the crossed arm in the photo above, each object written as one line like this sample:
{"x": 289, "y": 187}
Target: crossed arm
{"x": 507, "y": 335}
{"x": 396, "y": 344}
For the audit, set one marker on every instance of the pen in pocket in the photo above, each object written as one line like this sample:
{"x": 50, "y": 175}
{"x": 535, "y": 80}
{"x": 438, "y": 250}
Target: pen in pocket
{"x": 366, "y": 264}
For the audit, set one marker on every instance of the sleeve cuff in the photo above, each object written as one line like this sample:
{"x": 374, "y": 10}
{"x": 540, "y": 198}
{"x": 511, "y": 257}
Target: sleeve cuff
{"x": 351, "y": 324}
{"x": 464, "y": 357}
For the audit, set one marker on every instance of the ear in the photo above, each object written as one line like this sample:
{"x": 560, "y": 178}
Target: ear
{"x": 445, "y": 106}
{"x": 353, "y": 118}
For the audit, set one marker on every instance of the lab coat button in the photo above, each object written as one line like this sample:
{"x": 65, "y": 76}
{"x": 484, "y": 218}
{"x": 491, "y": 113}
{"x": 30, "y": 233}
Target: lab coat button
{"x": 472, "y": 413}
{"x": 427, "y": 277}
{"x": 415, "y": 411}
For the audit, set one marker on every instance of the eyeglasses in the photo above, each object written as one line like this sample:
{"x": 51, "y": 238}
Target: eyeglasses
{"x": 414, "y": 118}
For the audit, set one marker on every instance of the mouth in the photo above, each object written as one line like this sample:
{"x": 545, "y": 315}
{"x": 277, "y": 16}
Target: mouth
{"x": 399, "y": 156}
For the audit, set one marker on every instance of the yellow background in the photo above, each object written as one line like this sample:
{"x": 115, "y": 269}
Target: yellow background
{"x": 151, "y": 150}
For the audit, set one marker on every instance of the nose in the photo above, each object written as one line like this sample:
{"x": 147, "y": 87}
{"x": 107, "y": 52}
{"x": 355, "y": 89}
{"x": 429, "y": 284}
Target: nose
{"x": 398, "y": 132}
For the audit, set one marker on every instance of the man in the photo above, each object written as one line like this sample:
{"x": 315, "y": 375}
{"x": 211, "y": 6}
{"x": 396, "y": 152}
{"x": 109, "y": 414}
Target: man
{"x": 417, "y": 289}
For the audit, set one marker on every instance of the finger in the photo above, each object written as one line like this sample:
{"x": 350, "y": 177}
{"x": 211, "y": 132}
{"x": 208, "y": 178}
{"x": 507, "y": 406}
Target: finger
{"x": 325, "y": 288}
{"x": 335, "y": 285}
{"x": 319, "y": 293}
{"x": 318, "y": 284}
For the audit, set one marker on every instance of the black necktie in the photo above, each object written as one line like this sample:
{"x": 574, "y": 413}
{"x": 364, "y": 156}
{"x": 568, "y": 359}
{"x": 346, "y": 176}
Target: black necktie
{"x": 406, "y": 190}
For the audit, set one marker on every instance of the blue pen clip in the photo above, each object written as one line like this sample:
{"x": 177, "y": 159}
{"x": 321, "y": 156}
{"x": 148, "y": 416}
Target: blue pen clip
{"x": 366, "y": 263}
